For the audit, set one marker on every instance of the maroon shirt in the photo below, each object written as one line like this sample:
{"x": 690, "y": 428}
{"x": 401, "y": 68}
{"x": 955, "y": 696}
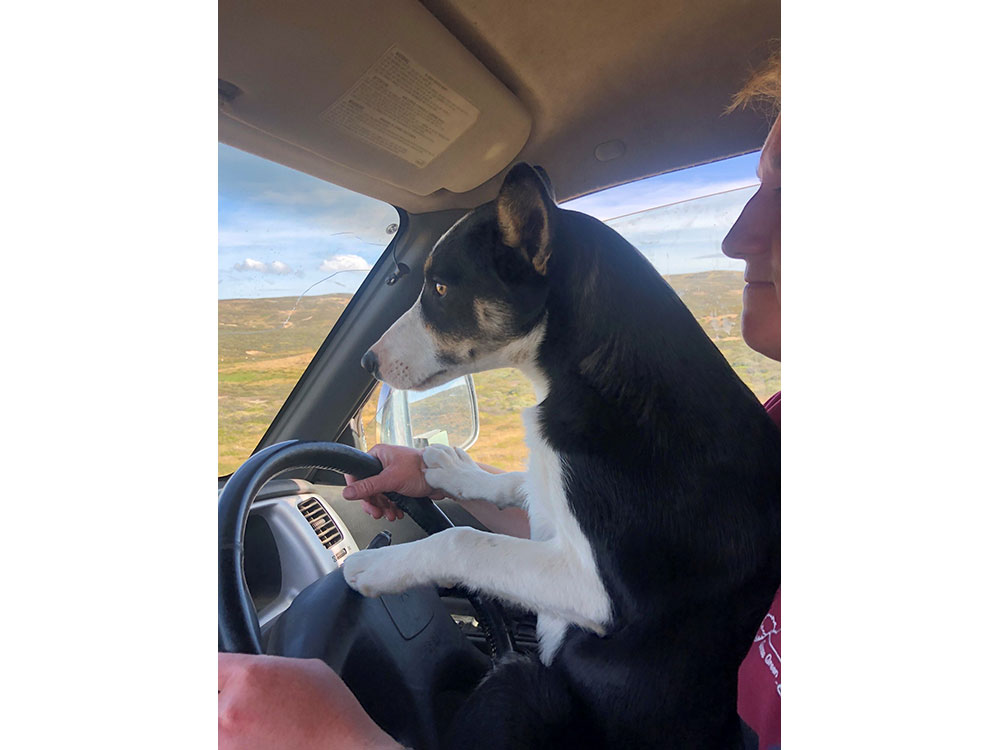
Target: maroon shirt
{"x": 759, "y": 699}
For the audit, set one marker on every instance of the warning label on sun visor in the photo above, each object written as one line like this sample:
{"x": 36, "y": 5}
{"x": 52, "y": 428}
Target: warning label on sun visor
{"x": 401, "y": 108}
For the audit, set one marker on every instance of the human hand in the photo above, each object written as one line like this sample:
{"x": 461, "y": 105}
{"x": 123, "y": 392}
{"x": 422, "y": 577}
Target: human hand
{"x": 402, "y": 472}
{"x": 273, "y": 702}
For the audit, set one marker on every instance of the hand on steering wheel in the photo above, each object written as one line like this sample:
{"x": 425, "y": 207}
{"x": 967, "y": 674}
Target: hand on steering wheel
{"x": 402, "y": 472}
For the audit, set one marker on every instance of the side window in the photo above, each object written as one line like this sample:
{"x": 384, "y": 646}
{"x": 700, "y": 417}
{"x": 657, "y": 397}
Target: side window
{"x": 293, "y": 249}
{"x": 682, "y": 238}
{"x": 500, "y": 397}
{"x": 677, "y": 221}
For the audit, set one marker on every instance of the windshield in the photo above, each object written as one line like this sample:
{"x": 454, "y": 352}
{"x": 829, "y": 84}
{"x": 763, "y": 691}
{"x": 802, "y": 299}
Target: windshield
{"x": 293, "y": 249}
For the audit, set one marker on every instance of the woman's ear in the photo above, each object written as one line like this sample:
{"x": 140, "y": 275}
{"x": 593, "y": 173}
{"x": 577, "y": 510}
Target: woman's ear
{"x": 524, "y": 214}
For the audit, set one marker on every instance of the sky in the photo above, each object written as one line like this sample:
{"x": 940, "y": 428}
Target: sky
{"x": 281, "y": 231}
{"x": 284, "y": 233}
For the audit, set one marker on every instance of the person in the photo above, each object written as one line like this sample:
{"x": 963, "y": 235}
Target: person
{"x": 756, "y": 239}
{"x": 275, "y": 702}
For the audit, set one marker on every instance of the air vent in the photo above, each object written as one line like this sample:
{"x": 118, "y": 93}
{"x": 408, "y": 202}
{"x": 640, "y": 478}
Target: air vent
{"x": 321, "y": 522}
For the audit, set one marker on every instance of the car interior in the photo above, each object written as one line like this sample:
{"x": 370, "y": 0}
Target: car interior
{"x": 425, "y": 106}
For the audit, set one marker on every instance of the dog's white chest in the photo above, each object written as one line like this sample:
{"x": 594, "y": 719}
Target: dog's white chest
{"x": 548, "y": 507}
{"x": 551, "y": 519}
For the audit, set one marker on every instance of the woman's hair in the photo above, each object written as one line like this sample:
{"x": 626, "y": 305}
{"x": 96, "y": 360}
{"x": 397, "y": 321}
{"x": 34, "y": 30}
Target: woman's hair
{"x": 762, "y": 91}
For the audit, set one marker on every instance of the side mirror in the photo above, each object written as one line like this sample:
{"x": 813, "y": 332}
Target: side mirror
{"x": 447, "y": 415}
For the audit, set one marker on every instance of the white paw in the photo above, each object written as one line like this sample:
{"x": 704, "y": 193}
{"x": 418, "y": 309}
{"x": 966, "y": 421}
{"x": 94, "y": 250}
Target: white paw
{"x": 454, "y": 471}
{"x": 378, "y": 571}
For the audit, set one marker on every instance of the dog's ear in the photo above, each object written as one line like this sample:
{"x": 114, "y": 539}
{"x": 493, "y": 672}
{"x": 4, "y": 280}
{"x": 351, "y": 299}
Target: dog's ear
{"x": 525, "y": 208}
{"x": 540, "y": 171}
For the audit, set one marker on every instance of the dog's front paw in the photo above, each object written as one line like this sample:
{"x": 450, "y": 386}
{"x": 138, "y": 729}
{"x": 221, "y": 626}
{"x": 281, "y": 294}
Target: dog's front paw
{"x": 454, "y": 471}
{"x": 377, "y": 571}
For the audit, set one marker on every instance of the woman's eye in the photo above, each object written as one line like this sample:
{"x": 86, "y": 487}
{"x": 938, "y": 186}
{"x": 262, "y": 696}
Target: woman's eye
{"x": 441, "y": 289}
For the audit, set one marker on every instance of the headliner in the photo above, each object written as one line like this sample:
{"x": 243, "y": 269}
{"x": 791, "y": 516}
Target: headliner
{"x": 653, "y": 74}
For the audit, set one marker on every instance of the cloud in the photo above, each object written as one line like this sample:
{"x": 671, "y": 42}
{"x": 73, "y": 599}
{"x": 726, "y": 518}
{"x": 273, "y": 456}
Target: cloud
{"x": 255, "y": 265}
{"x": 345, "y": 262}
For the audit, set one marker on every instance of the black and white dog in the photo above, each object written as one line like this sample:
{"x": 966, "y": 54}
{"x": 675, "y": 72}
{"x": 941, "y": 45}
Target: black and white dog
{"x": 652, "y": 485}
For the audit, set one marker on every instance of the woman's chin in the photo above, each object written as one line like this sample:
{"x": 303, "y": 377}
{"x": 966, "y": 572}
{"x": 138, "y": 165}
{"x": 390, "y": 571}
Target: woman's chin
{"x": 761, "y": 324}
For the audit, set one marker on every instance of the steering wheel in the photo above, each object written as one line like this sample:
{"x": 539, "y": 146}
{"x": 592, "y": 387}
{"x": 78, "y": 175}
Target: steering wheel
{"x": 374, "y": 644}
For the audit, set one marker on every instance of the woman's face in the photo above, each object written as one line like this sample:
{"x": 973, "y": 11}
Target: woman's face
{"x": 756, "y": 238}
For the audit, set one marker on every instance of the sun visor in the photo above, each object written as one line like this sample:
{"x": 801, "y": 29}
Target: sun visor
{"x": 379, "y": 87}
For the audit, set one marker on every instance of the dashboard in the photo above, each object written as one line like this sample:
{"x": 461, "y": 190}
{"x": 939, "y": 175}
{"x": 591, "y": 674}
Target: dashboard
{"x": 299, "y": 531}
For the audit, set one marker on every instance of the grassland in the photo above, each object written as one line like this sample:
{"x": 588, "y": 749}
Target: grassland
{"x": 264, "y": 346}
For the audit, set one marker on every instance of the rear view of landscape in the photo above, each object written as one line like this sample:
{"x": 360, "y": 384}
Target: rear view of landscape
{"x": 265, "y": 344}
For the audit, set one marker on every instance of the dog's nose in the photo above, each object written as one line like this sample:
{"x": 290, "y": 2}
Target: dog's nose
{"x": 370, "y": 362}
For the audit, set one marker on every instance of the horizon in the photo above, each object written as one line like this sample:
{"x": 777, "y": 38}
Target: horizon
{"x": 351, "y": 294}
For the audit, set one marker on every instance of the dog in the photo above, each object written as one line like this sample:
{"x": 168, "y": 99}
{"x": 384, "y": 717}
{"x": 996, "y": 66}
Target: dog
{"x": 652, "y": 488}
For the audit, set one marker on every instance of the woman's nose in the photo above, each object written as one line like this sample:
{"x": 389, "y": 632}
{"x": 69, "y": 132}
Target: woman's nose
{"x": 750, "y": 234}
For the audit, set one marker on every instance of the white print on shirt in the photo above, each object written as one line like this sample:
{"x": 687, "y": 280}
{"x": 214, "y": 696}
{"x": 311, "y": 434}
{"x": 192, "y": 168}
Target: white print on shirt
{"x": 768, "y": 651}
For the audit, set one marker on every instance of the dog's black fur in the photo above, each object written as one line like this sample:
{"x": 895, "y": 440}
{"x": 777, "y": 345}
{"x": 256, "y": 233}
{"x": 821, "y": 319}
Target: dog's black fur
{"x": 671, "y": 468}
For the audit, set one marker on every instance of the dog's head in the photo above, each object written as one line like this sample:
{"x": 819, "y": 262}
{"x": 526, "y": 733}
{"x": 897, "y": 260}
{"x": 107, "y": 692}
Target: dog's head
{"x": 483, "y": 301}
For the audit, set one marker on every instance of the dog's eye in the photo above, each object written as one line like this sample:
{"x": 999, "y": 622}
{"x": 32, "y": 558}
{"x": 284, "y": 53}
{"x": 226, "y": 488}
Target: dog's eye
{"x": 441, "y": 289}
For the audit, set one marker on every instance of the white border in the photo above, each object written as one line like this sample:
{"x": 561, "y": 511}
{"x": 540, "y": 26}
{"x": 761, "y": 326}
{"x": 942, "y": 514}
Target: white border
{"x": 890, "y": 409}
